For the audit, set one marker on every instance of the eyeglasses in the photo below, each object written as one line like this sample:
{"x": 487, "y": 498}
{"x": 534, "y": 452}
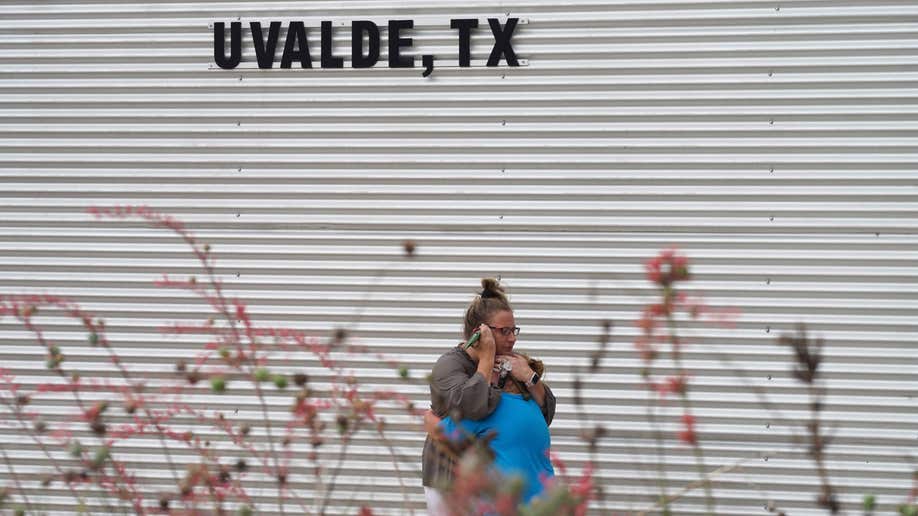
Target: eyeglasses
{"x": 506, "y": 330}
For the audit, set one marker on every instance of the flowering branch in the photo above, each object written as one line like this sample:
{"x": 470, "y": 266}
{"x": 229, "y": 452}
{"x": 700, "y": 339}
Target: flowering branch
{"x": 666, "y": 271}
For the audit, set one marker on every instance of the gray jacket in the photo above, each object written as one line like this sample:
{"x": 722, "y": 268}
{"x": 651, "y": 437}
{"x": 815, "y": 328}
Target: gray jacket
{"x": 456, "y": 389}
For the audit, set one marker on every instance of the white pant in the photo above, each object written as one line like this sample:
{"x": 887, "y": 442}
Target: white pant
{"x": 436, "y": 505}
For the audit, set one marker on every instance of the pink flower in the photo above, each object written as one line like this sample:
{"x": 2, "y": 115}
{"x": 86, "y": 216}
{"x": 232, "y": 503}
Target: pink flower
{"x": 653, "y": 267}
{"x": 687, "y": 434}
{"x": 673, "y": 384}
{"x": 659, "y": 309}
{"x": 647, "y": 324}
{"x": 667, "y": 268}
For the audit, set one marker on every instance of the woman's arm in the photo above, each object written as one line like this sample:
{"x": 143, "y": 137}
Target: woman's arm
{"x": 548, "y": 408}
{"x": 454, "y": 387}
{"x": 452, "y": 390}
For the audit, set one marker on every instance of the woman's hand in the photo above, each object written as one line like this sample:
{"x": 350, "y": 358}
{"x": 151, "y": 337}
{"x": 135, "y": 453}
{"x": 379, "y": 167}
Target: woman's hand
{"x": 520, "y": 367}
{"x": 486, "y": 345}
{"x": 483, "y": 352}
{"x": 523, "y": 373}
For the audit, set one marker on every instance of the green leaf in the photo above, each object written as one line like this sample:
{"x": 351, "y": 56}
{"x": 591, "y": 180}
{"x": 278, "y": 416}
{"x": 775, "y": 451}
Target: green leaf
{"x": 218, "y": 384}
{"x": 262, "y": 374}
{"x": 102, "y": 454}
{"x": 76, "y": 449}
{"x": 280, "y": 381}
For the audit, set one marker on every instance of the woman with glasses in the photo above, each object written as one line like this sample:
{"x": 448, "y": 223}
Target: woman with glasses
{"x": 517, "y": 440}
{"x": 461, "y": 381}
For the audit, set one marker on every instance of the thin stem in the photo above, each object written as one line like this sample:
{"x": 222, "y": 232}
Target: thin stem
{"x": 223, "y": 308}
{"x": 341, "y": 453}
{"x": 686, "y": 407}
{"x": 74, "y": 311}
{"x": 398, "y": 473}
{"x": 661, "y": 469}
{"x": 22, "y": 492}
{"x": 54, "y": 463}
{"x": 817, "y": 445}
{"x": 691, "y": 486}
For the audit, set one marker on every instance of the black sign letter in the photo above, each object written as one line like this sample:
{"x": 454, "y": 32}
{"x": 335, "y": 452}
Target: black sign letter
{"x": 328, "y": 60}
{"x": 395, "y": 43}
{"x": 465, "y": 26}
{"x": 358, "y": 28}
{"x": 502, "y": 42}
{"x": 295, "y": 47}
{"x": 265, "y": 52}
{"x": 235, "y": 45}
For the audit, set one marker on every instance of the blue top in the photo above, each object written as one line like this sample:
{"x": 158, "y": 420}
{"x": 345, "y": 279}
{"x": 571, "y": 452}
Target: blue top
{"x": 522, "y": 442}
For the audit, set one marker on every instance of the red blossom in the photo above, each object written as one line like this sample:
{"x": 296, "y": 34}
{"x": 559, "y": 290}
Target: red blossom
{"x": 647, "y": 323}
{"x": 558, "y": 463}
{"x": 583, "y": 490}
{"x": 673, "y": 384}
{"x": 688, "y": 434}
{"x": 653, "y": 266}
{"x": 667, "y": 268}
{"x": 659, "y": 309}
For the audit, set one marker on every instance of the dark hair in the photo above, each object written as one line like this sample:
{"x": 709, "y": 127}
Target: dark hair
{"x": 488, "y": 302}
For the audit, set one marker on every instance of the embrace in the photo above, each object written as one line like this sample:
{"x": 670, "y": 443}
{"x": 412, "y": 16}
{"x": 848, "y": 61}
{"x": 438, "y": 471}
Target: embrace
{"x": 486, "y": 391}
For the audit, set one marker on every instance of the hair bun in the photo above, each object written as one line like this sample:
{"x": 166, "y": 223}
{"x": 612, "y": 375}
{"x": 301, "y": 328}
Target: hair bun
{"x": 484, "y": 305}
{"x": 490, "y": 287}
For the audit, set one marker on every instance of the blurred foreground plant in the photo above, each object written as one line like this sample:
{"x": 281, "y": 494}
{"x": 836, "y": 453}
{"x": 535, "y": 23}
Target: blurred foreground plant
{"x": 87, "y": 451}
{"x": 667, "y": 271}
{"x": 237, "y": 352}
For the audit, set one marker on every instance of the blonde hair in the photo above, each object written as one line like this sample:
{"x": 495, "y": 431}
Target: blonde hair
{"x": 491, "y": 300}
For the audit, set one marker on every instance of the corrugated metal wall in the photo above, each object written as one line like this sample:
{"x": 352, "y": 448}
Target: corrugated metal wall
{"x": 772, "y": 141}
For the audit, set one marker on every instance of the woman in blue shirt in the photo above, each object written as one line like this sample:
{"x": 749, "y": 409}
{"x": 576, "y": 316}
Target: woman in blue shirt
{"x": 519, "y": 436}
